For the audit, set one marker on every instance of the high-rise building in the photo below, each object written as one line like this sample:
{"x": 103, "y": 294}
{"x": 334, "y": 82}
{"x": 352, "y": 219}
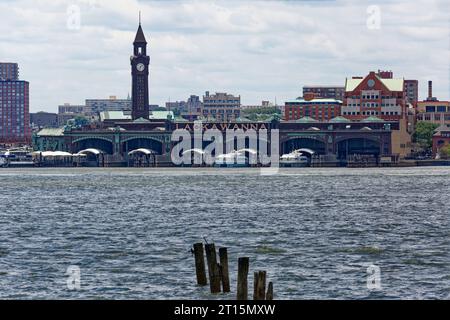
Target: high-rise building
{"x": 9, "y": 71}
{"x": 327, "y": 92}
{"x": 14, "y": 112}
{"x": 221, "y": 106}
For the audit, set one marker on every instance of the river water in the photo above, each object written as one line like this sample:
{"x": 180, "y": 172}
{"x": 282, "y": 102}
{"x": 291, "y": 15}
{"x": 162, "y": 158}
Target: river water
{"x": 315, "y": 231}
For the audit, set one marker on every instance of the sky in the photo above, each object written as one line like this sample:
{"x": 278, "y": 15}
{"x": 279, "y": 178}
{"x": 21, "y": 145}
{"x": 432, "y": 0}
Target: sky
{"x": 72, "y": 50}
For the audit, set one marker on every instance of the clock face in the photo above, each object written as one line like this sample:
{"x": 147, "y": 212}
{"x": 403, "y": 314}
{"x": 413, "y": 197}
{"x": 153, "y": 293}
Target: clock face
{"x": 371, "y": 83}
{"x": 140, "y": 67}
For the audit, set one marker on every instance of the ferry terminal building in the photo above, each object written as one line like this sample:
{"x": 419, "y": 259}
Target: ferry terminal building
{"x": 118, "y": 140}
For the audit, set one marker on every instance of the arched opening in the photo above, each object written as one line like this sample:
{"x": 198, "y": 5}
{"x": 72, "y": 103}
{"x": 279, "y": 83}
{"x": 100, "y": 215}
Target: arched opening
{"x": 91, "y": 157}
{"x": 142, "y": 143}
{"x": 141, "y": 158}
{"x": 304, "y": 143}
{"x": 358, "y": 146}
{"x": 93, "y": 143}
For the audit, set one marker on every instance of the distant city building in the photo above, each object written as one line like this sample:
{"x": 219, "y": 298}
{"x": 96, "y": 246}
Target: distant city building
{"x": 14, "y": 112}
{"x": 264, "y": 104}
{"x": 411, "y": 87}
{"x": 176, "y": 106}
{"x": 221, "y": 106}
{"x": 432, "y": 110}
{"x": 69, "y": 108}
{"x": 193, "y": 109}
{"x": 43, "y": 120}
{"x": 321, "y": 109}
{"x": 9, "y": 71}
{"x": 63, "y": 118}
{"x": 412, "y": 91}
{"x": 328, "y": 92}
{"x": 95, "y": 106}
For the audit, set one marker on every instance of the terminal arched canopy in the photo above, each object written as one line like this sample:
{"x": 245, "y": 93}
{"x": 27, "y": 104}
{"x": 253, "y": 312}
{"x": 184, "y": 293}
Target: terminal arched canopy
{"x": 306, "y": 150}
{"x": 195, "y": 150}
{"x": 144, "y": 151}
{"x": 91, "y": 151}
{"x": 250, "y": 151}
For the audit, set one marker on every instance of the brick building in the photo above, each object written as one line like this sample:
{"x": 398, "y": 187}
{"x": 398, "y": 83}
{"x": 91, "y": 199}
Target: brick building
{"x": 321, "y": 109}
{"x": 14, "y": 112}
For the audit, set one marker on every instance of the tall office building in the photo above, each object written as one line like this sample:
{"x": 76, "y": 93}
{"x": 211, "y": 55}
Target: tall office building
{"x": 14, "y": 112}
{"x": 9, "y": 71}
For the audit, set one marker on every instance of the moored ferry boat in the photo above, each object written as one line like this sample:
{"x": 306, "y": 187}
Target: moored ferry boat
{"x": 294, "y": 159}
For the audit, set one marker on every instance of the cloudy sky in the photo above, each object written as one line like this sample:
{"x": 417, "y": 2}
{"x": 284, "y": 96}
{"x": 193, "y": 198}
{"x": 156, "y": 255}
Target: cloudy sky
{"x": 262, "y": 50}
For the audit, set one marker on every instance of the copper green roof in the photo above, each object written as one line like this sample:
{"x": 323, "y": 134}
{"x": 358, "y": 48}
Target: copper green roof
{"x": 54, "y": 132}
{"x": 161, "y": 115}
{"x": 372, "y": 119}
{"x": 391, "y": 84}
{"x": 339, "y": 120}
{"x": 305, "y": 120}
{"x": 241, "y": 119}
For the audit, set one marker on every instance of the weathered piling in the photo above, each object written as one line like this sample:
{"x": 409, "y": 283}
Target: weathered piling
{"x": 242, "y": 286}
{"x": 213, "y": 269}
{"x": 225, "y": 276}
{"x": 200, "y": 264}
{"x": 259, "y": 286}
{"x": 269, "y": 294}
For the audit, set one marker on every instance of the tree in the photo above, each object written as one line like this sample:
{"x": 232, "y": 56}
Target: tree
{"x": 424, "y": 134}
{"x": 445, "y": 152}
{"x": 80, "y": 121}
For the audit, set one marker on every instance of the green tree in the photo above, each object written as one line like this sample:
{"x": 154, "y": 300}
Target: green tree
{"x": 424, "y": 134}
{"x": 445, "y": 152}
{"x": 80, "y": 121}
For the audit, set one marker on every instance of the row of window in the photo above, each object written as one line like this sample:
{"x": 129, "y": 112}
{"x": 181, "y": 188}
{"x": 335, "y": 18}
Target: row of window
{"x": 220, "y": 111}
{"x": 371, "y": 113}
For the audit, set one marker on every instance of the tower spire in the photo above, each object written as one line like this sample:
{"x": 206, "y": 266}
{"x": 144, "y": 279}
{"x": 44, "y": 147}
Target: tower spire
{"x": 139, "y": 17}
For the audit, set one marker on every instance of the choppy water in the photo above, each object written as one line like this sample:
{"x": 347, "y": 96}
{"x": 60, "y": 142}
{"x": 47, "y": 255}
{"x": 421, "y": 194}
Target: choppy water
{"x": 314, "y": 230}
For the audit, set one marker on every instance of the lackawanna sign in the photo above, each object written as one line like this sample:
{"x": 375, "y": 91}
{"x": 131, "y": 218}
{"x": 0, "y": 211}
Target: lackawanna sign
{"x": 223, "y": 126}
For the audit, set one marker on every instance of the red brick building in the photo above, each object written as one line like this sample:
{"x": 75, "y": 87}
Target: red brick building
{"x": 374, "y": 96}
{"x": 310, "y": 106}
{"x": 14, "y": 112}
{"x": 441, "y": 138}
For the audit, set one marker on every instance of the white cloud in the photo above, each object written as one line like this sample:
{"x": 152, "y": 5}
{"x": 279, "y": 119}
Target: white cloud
{"x": 258, "y": 49}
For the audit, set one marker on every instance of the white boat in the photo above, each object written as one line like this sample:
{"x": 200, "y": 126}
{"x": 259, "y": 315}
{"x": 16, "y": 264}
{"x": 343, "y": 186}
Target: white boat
{"x": 294, "y": 159}
{"x": 234, "y": 159}
{"x": 3, "y": 162}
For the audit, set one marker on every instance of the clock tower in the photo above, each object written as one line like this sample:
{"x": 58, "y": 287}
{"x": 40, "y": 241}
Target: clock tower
{"x": 140, "y": 63}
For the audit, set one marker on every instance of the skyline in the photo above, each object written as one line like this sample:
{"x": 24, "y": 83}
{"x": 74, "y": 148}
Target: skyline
{"x": 234, "y": 47}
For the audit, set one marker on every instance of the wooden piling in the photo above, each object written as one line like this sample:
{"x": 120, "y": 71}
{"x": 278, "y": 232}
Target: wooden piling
{"x": 269, "y": 295}
{"x": 242, "y": 286}
{"x": 200, "y": 264}
{"x": 213, "y": 270}
{"x": 259, "y": 286}
{"x": 225, "y": 276}
{"x": 255, "y": 285}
